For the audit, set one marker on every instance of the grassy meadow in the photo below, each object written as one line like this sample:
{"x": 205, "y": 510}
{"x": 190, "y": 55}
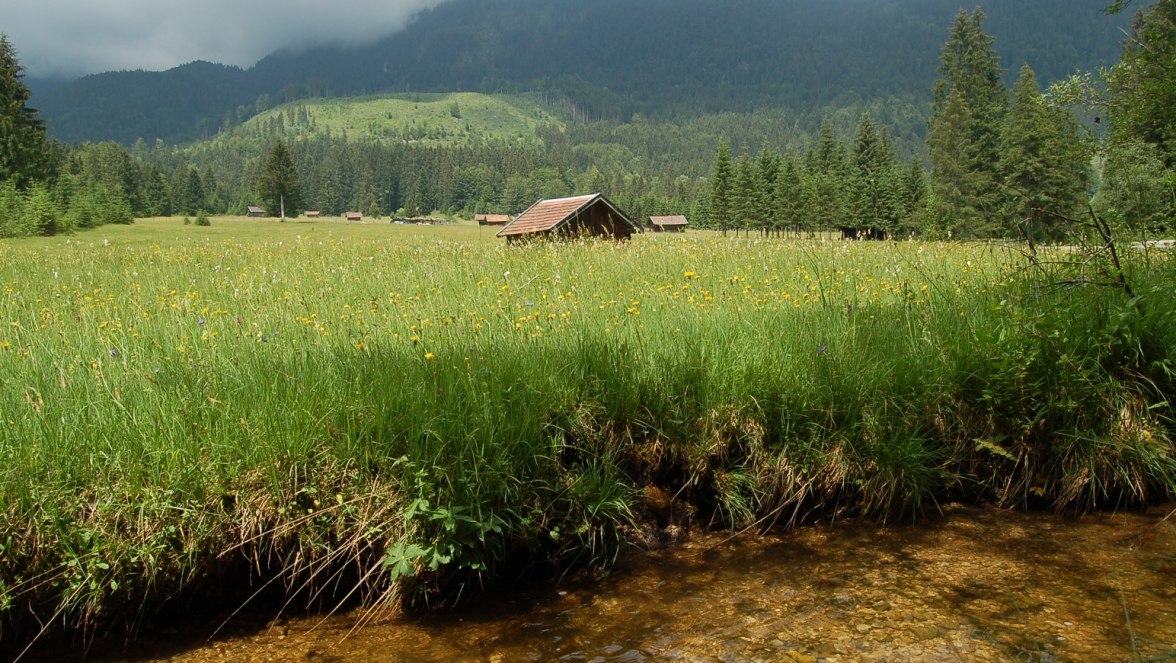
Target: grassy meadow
{"x": 388, "y": 413}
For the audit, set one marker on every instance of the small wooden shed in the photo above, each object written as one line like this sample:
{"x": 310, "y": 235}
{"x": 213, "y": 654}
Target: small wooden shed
{"x": 312, "y": 214}
{"x": 589, "y": 215}
{"x": 668, "y": 224}
{"x": 353, "y": 216}
{"x": 254, "y": 211}
{"x": 492, "y": 219}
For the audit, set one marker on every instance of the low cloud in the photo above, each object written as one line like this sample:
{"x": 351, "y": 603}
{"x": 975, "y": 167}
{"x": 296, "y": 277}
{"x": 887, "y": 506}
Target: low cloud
{"x": 67, "y": 38}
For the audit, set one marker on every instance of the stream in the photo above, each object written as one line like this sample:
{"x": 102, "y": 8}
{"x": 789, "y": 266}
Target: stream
{"x": 971, "y": 584}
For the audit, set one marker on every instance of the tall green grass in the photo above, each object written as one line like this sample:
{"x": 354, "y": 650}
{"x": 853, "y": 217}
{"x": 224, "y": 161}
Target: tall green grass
{"x": 397, "y": 415}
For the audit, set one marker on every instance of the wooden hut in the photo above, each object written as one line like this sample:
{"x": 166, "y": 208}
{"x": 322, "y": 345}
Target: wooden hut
{"x": 668, "y": 224}
{"x": 590, "y": 215}
{"x": 353, "y": 216}
{"x": 254, "y": 211}
{"x": 492, "y": 219}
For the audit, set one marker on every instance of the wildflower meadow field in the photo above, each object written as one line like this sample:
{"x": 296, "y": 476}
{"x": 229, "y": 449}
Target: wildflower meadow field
{"x": 379, "y": 413}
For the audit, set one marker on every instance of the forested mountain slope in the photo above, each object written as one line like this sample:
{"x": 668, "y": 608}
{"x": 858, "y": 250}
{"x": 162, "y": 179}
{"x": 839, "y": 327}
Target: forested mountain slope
{"x": 609, "y": 58}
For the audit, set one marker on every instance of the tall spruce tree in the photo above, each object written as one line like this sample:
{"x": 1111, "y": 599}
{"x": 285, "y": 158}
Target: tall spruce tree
{"x": 828, "y": 170}
{"x": 23, "y": 157}
{"x": 874, "y": 185}
{"x": 278, "y": 184}
{"x": 156, "y": 193}
{"x": 912, "y": 199}
{"x": 212, "y": 197}
{"x": 963, "y": 136}
{"x": 793, "y": 197}
{"x": 1044, "y": 172}
{"x": 744, "y": 196}
{"x": 767, "y": 171}
{"x": 722, "y": 188}
{"x": 194, "y": 193}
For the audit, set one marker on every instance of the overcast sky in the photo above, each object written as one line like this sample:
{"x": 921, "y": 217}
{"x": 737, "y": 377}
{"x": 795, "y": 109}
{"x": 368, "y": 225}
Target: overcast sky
{"x": 68, "y": 37}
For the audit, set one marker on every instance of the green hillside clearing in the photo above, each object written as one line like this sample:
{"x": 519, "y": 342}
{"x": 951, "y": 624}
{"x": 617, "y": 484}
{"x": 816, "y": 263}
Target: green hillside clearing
{"x": 439, "y": 119}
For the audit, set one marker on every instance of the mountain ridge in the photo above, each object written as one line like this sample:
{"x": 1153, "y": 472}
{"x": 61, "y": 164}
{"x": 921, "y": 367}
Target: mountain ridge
{"x": 610, "y": 58}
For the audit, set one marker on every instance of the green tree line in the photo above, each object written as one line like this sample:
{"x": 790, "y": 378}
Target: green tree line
{"x": 995, "y": 162}
{"x": 1003, "y": 163}
{"x": 830, "y": 185}
{"x": 45, "y": 188}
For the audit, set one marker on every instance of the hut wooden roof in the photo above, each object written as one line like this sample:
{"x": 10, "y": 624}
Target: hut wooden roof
{"x": 547, "y": 215}
{"x": 492, "y": 219}
{"x": 675, "y": 220}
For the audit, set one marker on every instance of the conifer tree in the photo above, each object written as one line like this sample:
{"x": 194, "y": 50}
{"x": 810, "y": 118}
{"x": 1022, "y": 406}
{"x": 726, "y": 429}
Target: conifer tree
{"x": 793, "y": 198}
{"x": 767, "y": 171}
{"x": 874, "y": 195}
{"x": 829, "y": 157}
{"x": 23, "y": 155}
{"x": 744, "y": 196}
{"x": 212, "y": 197}
{"x": 828, "y": 171}
{"x": 721, "y": 188}
{"x": 700, "y": 213}
{"x": 157, "y": 198}
{"x": 912, "y": 198}
{"x": 1042, "y": 168}
{"x": 108, "y": 165}
{"x": 194, "y": 193}
{"x": 963, "y": 136}
{"x": 953, "y": 181}
{"x": 278, "y": 184}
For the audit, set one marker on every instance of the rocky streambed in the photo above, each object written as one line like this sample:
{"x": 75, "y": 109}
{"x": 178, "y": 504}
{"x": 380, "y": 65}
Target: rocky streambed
{"x": 968, "y": 585}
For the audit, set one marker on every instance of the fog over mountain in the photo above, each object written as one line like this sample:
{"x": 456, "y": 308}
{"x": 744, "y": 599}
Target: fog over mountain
{"x": 66, "y": 38}
{"x": 609, "y": 59}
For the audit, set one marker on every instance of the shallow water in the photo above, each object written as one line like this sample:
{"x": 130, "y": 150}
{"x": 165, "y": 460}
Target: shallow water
{"x": 971, "y": 585}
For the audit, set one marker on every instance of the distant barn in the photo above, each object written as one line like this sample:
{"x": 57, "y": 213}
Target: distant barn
{"x": 353, "y": 216}
{"x": 668, "y": 224}
{"x": 312, "y": 214}
{"x": 492, "y": 219}
{"x": 590, "y": 215}
{"x": 254, "y": 210}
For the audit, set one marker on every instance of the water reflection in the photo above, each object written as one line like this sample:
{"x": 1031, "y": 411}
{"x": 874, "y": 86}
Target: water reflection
{"x": 973, "y": 585}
